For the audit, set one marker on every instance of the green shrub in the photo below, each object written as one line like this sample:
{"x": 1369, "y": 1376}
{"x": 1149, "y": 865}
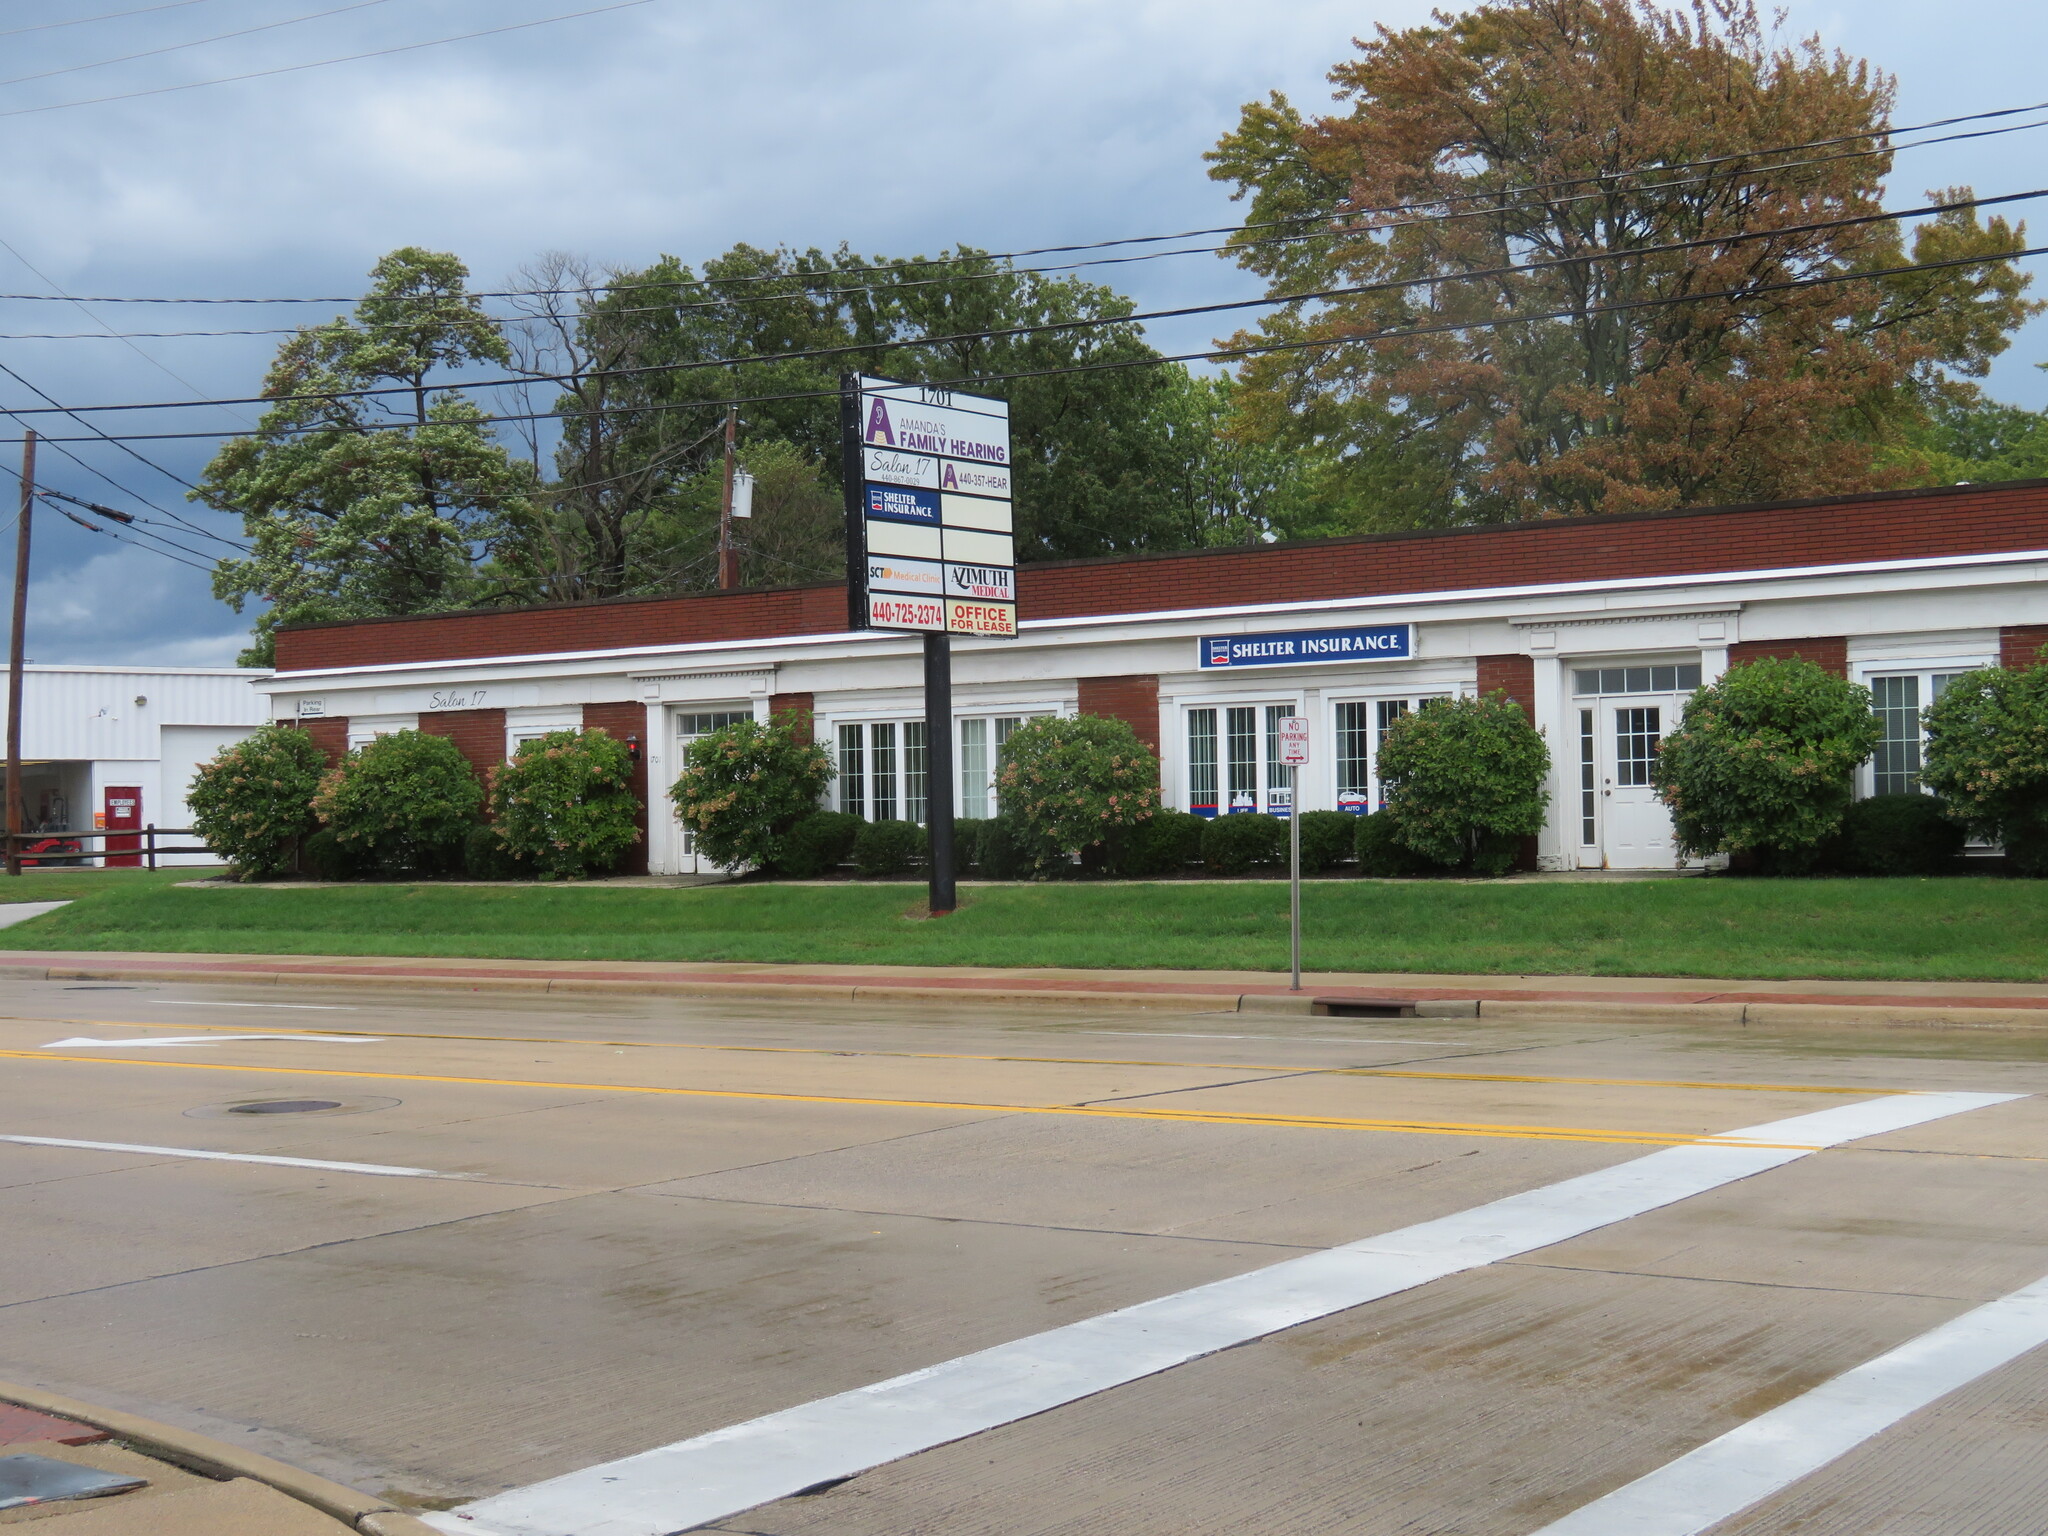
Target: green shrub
{"x": 1464, "y": 782}
{"x": 322, "y": 857}
{"x": 1762, "y": 762}
{"x": 966, "y": 844}
{"x": 743, "y": 787}
{"x": 485, "y": 857}
{"x": 1909, "y": 834}
{"x": 565, "y": 804}
{"x": 888, "y": 850}
{"x": 402, "y": 803}
{"x": 1327, "y": 838}
{"x": 1380, "y": 855}
{"x": 1165, "y": 843}
{"x": 1987, "y": 757}
{"x": 1066, "y": 785}
{"x": 253, "y": 804}
{"x": 818, "y": 844}
{"x": 1233, "y": 845}
{"x": 1001, "y": 851}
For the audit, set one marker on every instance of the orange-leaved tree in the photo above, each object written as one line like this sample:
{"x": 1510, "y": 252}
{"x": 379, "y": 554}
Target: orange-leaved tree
{"x": 1505, "y": 185}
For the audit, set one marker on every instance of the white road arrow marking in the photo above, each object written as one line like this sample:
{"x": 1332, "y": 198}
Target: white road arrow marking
{"x": 83, "y": 1042}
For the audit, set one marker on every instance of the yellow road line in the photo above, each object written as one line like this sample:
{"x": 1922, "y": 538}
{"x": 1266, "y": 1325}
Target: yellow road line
{"x": 1053, "y": 1061}
{"x": 1313, "y": 1122}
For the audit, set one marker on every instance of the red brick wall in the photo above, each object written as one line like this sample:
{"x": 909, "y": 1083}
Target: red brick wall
{"x": 1828, "y": 652}
{"x": 329, "y": 735}
{"x": 2019, "y": 645}
{"x": 1513, "y": 675}
{"x": 621, "y": 721}
{"x": 478, "y": 734}
{"x": 1133, "y": 700}
{"x": 780, "y": 704}
{"x": 1947, "y": 520}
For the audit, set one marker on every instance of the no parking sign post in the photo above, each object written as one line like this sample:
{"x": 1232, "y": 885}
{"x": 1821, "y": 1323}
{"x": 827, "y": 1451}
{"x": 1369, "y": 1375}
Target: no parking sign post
{"x": 1293, "y": 732}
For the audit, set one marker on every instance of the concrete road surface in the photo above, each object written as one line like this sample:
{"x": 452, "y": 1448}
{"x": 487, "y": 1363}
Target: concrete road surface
{"x": 1368, "y": 1276}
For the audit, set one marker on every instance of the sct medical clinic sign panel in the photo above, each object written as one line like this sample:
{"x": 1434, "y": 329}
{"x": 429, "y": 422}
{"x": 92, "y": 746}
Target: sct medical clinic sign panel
{"x": 935, "y": 510}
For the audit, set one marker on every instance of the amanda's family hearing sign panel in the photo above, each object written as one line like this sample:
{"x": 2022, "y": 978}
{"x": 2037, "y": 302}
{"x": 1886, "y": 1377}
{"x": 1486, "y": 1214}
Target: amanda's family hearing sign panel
{"x": 1376, "y": 642}
{"x": 935, "y": 526}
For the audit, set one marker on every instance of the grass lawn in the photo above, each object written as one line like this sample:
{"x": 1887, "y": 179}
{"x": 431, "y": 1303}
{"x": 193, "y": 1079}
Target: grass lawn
{"x": 1956, "y": 929}
{"x": 70, "y": 884}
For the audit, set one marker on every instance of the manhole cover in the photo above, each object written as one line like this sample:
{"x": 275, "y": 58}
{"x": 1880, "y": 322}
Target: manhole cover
{"x": 354, "y": 1105}
{"x": 284, "y": 1106}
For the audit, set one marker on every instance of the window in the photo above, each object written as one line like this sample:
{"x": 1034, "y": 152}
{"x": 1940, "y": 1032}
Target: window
{"x": 689, "y": 726}
{"x": 1243, "y": 743}
{"x": 981, "y": 753}
{"x": 1360, "y": 728}
{"x": 1279, "y": 777}
{"x": 1246, "y": 774}
{"x": 915, "y": 772}
{"x": 1202, "y": 761}
{"x": 1638, "y": 679}
{"x": 1636, "y": 734}
{"x": 1895, "y": 766}
{"x": 1589, "y": 788}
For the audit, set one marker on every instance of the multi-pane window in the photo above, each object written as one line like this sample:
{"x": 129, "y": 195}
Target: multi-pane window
{"x": 1636, "y": 734}
{"x": 1202, "y": 761}
{"x": 1234, "y": 760}
{"x": 689, "y": 727}
{"x": 1279, "y": 777}
{"x": 1242, "y": 741}
{"x": 1360, "y": 729}
{"x": 981, "y": 753}
{"x": 916, "y": 774}
{"x": 1895, "y": 765}
{"x": 1589, "y": 789}
{"x": 1672, "y": 679}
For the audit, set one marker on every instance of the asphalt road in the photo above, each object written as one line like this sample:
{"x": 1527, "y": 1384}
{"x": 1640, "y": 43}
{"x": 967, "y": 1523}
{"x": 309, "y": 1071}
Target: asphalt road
{"x": 530, "y": 1239}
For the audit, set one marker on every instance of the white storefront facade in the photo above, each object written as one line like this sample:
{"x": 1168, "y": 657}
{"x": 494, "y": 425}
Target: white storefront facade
{"x": 1603, "y": 663}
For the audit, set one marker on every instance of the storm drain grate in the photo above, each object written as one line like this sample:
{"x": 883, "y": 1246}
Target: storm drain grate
{"x": 284, "y": 1106}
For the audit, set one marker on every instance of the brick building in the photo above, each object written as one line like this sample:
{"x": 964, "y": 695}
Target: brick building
{"x": 1598, "y": 626}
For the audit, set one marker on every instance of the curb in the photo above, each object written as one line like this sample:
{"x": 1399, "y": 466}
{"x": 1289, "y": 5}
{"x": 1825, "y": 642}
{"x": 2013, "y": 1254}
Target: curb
{"x": 1730, "y": 1010}
{"x": 214, "y": 1458}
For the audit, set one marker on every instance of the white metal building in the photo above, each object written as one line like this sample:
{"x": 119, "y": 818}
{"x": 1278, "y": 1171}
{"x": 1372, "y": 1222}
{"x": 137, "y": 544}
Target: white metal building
{"x": 124, "y": 742}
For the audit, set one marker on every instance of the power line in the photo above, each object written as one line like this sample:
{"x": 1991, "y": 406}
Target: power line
{"x": 286, "y": 69}
{"x": 79, "y": 21}
{"x": 1188, "y": 234}
{"x": 1210, "y": 354}
{"x": 1355, "y": 290}
{"x": 199, "y": 42}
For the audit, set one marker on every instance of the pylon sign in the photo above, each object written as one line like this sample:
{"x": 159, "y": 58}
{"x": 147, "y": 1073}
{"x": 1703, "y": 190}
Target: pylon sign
{"x": 929, "y": 537}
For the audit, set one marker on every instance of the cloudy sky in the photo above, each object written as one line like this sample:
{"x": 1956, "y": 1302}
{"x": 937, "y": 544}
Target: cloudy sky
{"x": 676, "y": 126}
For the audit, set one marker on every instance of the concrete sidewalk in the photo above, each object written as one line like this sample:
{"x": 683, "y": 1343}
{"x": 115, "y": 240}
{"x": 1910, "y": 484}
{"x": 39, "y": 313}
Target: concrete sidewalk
{"x": 1352, "y": 994}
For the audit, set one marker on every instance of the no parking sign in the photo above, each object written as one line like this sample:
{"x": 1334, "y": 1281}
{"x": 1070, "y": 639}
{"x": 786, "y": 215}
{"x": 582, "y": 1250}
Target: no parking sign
{"x": 1294, "y": 741}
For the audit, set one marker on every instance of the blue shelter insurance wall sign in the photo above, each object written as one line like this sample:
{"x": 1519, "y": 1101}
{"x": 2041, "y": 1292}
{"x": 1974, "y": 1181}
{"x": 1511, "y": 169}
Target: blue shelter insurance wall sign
{"x": 1299, "y": 647}
{"x": 932, "y": 527}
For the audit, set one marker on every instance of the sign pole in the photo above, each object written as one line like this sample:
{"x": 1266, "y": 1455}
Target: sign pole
{"x": 938, "y": 759}
{"x": 1294, "y": 869}
{"x": 28, "y": 503}
{"x": 851, "y": 476}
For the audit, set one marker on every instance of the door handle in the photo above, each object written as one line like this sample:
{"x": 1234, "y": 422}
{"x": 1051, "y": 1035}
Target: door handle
{"x": 1606, "y": 791}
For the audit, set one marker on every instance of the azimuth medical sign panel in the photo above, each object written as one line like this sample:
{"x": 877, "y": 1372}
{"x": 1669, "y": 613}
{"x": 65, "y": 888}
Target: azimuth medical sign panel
{"x": 1293, "y": 648}
{"x": 934, "y": 510}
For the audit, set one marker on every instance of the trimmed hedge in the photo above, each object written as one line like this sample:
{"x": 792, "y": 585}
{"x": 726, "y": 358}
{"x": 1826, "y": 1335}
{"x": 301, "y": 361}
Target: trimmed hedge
{"x": 1909, "y": 834}
{"x": 1384, "y": 856}
{"x": 1002, "y": 852}
{"x": 818, "y": 844}
{"x": 1327, "y": 839}
{"x": 1233, "y": 845}
{"x": 886, "y": 850}
{"x": 1165, "y": 843}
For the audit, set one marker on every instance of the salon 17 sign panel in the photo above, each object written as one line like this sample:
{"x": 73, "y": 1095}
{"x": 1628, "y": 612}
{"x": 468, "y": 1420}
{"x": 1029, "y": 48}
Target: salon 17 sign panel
{"x": 939, "y": 553}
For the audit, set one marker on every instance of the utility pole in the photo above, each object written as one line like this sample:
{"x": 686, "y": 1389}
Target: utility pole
{"x": 28, "y": 501}
{"x": 728, "y": 557}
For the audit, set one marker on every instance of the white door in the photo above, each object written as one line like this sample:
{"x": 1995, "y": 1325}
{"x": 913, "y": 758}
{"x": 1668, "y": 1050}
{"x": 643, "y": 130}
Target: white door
{"x": 1635, "y": 828}
{"x": 689, "y": 724}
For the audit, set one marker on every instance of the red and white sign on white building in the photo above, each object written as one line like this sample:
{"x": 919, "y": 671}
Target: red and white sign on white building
{"x": 1293, "y": 734}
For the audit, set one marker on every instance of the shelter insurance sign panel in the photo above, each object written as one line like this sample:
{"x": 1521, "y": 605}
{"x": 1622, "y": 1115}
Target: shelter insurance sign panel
{"x": 1293, "y": 648}
{"x": 934, "y": 511}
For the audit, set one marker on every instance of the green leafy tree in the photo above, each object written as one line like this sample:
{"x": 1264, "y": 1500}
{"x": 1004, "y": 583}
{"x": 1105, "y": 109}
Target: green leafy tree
{"x": 402, "y": 803}
{"x": 565, "y": 805}
{"x": 1444, "y": 389}
{"x": 1987, "y": 757}
{"x": 253, "y": 804}
{"x": 1069, "y": 784}
{"x": 1967, "y": 437}
{"x": 359, "y": 506}
{"x": 743, "y": 787}
{"x": 1762, "y": 762}
{"x": 1464, "y": 782}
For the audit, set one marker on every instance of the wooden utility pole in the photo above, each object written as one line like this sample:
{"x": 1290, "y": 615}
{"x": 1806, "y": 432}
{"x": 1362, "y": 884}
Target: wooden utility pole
{"x": 728, "y": 557}
{"x": 28, "y": 501}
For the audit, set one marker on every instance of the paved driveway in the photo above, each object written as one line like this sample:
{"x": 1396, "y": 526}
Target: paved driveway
{"x": 1163, "y": 1273}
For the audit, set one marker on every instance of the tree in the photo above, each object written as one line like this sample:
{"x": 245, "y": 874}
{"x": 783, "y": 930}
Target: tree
{"x": 1987, "y": 757}
{"x": 1464, "y": 782}
{"x": 401, "y": 803}
{"x": 358, "y": 506}
{"x": 1568, "y": 138}
{"x": 1762, "y": 761}
{"x": 743, "y": 787}
{"x": 1967, "y": 437}
{"x": 565, "y": 805}
{"x": 1069, "y": 784}
{"x": 253, "y": 804}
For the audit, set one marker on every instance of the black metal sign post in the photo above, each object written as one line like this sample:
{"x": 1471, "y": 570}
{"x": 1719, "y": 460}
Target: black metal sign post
{"x": 929, "y": 549}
